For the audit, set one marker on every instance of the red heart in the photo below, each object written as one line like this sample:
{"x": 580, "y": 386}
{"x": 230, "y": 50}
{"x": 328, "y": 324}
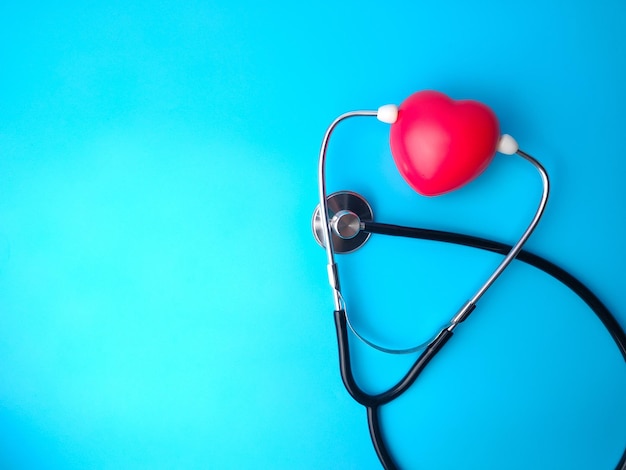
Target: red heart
{"x": 440, "y": 144}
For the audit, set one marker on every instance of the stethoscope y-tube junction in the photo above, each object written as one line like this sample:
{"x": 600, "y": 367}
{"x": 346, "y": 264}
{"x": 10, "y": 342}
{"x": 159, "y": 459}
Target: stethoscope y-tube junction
{"x": 374, "y": 402}
{"x": 350, "y": 225}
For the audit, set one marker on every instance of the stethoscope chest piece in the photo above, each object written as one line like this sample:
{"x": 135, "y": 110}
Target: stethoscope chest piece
{"x": 346, "y": 212}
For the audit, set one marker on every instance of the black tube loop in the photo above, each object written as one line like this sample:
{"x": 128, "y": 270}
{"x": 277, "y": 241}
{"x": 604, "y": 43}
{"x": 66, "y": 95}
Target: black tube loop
{"x": 596, "y": 305}
{"x": 399, "y": 388}
{"x": 374, "y": 402}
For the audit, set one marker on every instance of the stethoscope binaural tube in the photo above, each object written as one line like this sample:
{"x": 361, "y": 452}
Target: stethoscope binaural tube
{"x": 506, "y": 145}
{"x": 388, "y": 113}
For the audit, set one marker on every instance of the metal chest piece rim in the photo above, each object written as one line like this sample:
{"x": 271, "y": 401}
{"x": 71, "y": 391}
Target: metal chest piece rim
{"x": 346, "y": 211}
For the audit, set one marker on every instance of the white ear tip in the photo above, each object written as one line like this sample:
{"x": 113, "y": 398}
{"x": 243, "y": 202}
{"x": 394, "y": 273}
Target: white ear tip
{"x": 388, "y": 113}
{"x": 507, "y": 145}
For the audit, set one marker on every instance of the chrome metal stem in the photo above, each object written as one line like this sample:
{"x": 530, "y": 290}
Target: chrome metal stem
{"x": 333, "y": 277}
{"x": 471, "y": 304}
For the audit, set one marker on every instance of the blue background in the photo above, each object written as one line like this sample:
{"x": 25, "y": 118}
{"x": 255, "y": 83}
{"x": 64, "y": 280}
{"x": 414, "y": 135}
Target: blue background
{"x": 163, "y": 303}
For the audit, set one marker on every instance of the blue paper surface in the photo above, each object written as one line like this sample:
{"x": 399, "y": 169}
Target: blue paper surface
{"x": 163, "y": 303}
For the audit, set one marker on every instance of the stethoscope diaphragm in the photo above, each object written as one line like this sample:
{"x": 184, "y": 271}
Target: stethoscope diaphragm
{"x": 346, "y": 212}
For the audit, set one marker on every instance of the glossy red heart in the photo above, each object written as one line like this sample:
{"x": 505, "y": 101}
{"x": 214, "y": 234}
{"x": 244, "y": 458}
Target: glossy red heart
{"x": 440, "y": 144}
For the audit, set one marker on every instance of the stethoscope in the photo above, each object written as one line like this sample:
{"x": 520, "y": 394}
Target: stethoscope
{"x": 438, "y": 145}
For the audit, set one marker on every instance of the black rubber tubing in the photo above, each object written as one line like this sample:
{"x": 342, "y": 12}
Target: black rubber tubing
{"x": 373, "y": 402}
